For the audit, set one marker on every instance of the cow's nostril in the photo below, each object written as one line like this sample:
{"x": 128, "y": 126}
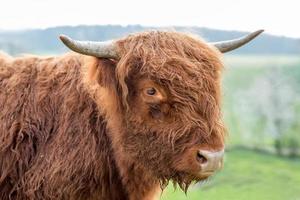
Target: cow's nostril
{"x": 201, "y": 159}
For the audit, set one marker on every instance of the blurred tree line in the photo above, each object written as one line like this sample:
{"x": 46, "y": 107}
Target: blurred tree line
{"x": 268, "y": 111}
{"x": 45, "y": 41}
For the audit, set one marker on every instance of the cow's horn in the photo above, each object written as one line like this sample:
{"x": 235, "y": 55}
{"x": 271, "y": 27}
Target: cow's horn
{"x": 229, "y": 45}
{"x": 105, "y": 49}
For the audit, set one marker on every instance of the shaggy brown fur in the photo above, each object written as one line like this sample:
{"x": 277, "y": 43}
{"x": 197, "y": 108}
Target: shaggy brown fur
{"x": 78, "y": 127}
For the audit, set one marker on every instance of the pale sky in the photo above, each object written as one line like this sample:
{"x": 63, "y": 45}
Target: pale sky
{"x": 279, "y": 17}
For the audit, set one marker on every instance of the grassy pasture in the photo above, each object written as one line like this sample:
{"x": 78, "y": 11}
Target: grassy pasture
{"x": 247, "y": 175}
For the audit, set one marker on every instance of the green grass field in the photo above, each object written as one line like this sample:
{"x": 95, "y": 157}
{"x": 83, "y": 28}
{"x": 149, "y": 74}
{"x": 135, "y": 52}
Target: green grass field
{"x": 247, "y": 175}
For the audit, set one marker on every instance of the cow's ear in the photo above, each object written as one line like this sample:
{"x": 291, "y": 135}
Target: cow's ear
{"x": 106, "y": 72}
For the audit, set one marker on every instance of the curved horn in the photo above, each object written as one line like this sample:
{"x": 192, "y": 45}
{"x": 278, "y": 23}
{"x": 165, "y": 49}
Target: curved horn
{"x": 229, "y": 45}
{"x": 105, "y": 49}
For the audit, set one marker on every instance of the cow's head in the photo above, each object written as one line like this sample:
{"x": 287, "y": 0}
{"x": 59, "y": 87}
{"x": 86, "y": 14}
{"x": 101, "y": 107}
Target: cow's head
{"x": 167, "y": 91}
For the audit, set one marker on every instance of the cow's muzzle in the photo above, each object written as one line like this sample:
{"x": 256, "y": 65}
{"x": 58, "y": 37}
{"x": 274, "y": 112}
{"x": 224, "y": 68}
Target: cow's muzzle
{"x": 210, "y": 161}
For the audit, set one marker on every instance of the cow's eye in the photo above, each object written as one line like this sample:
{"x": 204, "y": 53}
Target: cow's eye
{"x": 151, "y": 91}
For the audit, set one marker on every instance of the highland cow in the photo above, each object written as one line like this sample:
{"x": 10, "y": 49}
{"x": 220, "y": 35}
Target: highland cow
{"x": 118, "y": 122}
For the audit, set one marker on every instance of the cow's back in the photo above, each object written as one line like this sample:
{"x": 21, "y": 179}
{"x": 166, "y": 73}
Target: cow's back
{"x": 52, "y": 140}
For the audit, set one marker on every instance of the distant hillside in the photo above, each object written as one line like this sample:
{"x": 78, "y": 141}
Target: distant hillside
{"x": 45, "y": 41}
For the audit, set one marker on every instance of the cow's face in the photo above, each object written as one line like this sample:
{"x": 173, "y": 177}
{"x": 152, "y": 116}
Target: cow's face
{"x": 170, "y": 88}
{"x": 162, "y": 100}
